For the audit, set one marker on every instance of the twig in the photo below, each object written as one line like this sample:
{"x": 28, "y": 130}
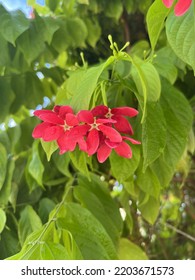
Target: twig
{"x": 181, "y": 232}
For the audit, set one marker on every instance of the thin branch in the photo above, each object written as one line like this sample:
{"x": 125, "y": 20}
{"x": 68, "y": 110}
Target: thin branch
{"x": 180, "y": 232}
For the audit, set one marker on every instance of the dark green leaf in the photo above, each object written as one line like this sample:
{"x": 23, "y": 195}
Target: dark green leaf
{"x": 3, "y": 164}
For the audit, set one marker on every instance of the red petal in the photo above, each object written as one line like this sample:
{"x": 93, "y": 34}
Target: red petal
{"x": 41, "y": 112}
{"x": 168, "y": 3}
{"x": 65, "y": 110}
{"x": 79, "y": 131}
{"x": 182, "y": 6}
{"x": 125, "y": 111}
{"x": 92, "y": 142}
{"x": 111, "y": 133}
{"x": 110, "y": 144}
{"x": 85, "y": 116}
{"x": 124, "y": 150}
{"x": 56, "y": 108}
{"x": 123, "y": 125}
{"x": 52, "y": 133}
{"x": 65, "y": 143}
{"x": 40, "y": 129}
{"x": 99, "y": 111}
{"x": 71, "y": 120}
{"x": 105, "y": 121}
{"x": 82, "y": 145}
{"x": 133, "y": 141}
{"x": 51, "y": 117}
{"x": 103, "y": 153}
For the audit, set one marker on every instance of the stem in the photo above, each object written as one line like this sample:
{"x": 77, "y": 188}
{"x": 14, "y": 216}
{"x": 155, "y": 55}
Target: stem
{"x": 180, "y": 232}
{"x": 38, "y": 240}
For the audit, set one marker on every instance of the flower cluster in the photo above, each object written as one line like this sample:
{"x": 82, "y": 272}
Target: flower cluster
{"x": 180, "y": 8}
{"x": 95, "y": 131}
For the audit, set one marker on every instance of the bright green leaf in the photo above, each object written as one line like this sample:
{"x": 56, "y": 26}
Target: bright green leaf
{"x": 127, "y": 250}
{"x": 2, "y": 219}
{"x": 79, "y": 160}
{"x": 153, "y": 133}
{"x": 180, "y": 34}
{"x": 155, "y": 19}
{"x": 89, "y": 234}
{"x": 28, "y": 223}
{"x": 123, "y": 168}
{"x": 36, "y": 167}
{"x": 49, "y": 148}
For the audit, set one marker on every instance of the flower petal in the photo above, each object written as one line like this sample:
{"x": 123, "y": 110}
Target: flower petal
{"x": 111, "y": 133}
{"x": 37, "y": 113}
{"x": 125, "y": 111}
{"x": 50, "y": 117}
{"x": 52, "y": 133}
{"x": 65, "y": 143}
{"x": 99, "y": 111}
{"x": 110, "y": 144}
{"x": 168, "y": 3}
{"x": 105, "y": 121}
{"x": 182, "y": 6}
{"x": 133, "y": 141}
{"x": 65, "y": 110}
{"x": 40, "y": 129}
{"x": 85, "y": 116}
{"x": 92, "y": 142}
{"x": 123, "y": 125}
{"x": 71, "y": 119}
{"x": 82, "y": 144}
{"x": 124, "y": 150}
{"x": 79, "y": 131}
{"x": 103, "y": 153}
{"x": 56, "y": 108}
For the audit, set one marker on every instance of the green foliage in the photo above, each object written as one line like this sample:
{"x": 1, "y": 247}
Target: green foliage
{"x": 70, "y": 206}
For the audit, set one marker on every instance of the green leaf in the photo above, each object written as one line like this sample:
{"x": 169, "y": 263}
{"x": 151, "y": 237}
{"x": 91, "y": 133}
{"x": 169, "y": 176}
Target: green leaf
{"x": 155, "y": 19}
{"x": 28, "y": 223}
{"x": 164, "y": 65}
{"x": 46, "y": 205}
{"x": 71, "y": 33}
{"x": 180, "y": 34}
{"x": 2, "y": 220}
{"x": 49, "y": 148}
{"x": 62, "y": 163}
{"x": 3, "y": 164}
{"x": 127, "y": 250}
{"x": 81, "y": 86}
{"x": 12, "y": 24}
{"x": 123, "y": 168}
{"x": 31, "y": 42}
{"x": 7, "y": 96}
{"x": 7, "y": 185}
{"x": 153, "y": 134}
{"x": 9, "y": 244}
{"x": 95, "y": 197}
{"x": 113, "y": 9}
{"x": 148, "y": 182}
{"x": 89, "y": 234}
{"x": 4, "y": 54}
{"x": 51, "y": 251}
{"x": 178, "y": 114}
{"x": 36, "y": 167}
{"x": 94, "y": 31}
{"x": 149, "y": 207}
{"x": 79, "y": 160}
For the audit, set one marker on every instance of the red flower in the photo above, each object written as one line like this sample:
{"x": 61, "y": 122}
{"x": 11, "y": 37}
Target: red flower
{"x": 181, "y": 7}
{"x": 117, "y": 114}
{"x": 57, "y": 125}
{"x": 122, "y": 148}
{"x": 95, "y": 128}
